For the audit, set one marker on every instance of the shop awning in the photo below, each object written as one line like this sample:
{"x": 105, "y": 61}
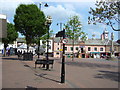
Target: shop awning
{"x": 95, "y": 52}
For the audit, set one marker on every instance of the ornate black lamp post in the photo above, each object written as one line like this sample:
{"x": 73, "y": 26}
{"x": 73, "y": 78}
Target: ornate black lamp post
{"x": 46, "y": 5}
{"x": 112, "y": 46}
{"x": 48, "y": 23}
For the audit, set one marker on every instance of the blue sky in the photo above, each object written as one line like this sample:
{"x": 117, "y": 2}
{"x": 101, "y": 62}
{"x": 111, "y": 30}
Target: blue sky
{"x": 60, "y": 11}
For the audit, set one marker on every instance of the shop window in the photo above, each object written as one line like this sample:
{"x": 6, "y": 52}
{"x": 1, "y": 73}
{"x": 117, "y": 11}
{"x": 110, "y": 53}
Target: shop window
{"x": 66, "y": 48}
{"x": 82, "y": 51}
{"x": 76, "y": 48}
{"x": 57, "y": 53}
{"x": 71, "y": 48}
{"x": 95, "y": 49}
{"x": 89, "y": 49}
{"x": 101, "y": 49}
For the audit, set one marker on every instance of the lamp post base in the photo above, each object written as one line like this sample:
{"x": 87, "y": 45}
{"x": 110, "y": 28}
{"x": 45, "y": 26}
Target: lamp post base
{"x": 47, "y": 67}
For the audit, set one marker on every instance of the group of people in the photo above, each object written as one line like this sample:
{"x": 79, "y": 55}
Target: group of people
{"x": 95, "y": 56}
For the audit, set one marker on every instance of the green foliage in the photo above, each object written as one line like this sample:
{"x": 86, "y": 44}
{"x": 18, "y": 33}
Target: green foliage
{"x": 30, "y": 22}
{"x": 11, "y": 34}
{"x": 73, "y": 29}
{"x": 44, "y": 37}
{"x": 106, "y": 13}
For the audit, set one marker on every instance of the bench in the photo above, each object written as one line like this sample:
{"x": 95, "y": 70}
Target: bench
{"x": 44, "y": 62}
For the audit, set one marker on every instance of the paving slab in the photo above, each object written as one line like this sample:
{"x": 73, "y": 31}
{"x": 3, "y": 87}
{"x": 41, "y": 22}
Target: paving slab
{"x": 80, "y": 73}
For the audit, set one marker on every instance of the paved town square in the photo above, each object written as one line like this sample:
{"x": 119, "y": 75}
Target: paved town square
{"x": 80, "y": 73}
{"x": 59, "y": 44}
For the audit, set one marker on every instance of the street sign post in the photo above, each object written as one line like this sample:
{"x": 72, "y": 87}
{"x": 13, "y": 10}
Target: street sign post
{"x": 63, "y": 60}
{"x": 62, "y": 34}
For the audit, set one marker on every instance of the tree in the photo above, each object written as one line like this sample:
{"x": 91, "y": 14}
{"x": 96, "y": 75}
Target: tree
{"x": 30, "y": 22}
{"x": 106, "y": 12}
{"x": 11, "y": 36}
{"x": 73, "y": 30}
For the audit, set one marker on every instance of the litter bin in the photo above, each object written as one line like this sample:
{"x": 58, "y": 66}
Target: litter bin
{"x": 28, "y": 56}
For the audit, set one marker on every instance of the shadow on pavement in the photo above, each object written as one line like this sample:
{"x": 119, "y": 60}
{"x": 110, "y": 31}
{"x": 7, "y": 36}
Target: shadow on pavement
{"x": 26, "y": 65}
{"x": 91, "y": 65}
{"x": 9, "y": 58}
{"x": 30, "y": 88}
{"x": 43, "y": 76}
{"x": 108, "y": 75}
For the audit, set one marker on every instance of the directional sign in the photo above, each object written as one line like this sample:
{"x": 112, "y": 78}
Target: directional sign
{"x": 61, "y": 49}
{"x": 64, "y": 41}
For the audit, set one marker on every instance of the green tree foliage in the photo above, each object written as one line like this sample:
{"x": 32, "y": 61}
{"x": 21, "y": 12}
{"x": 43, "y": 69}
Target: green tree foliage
{"x": 43, "y": 37}
{"x": 30, "y": 22}
{"x": 106, "y": 12}
{"x": 73, "y": 30}
{"x": 11, "y": 36}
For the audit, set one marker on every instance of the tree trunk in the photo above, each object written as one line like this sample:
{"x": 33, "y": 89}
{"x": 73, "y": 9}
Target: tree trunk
{"x": 73, "y": 51}
{"x": 27, "y": 48}
{"x": 27, "y": 42}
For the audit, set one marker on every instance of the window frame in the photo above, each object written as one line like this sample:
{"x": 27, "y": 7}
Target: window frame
{"x": 89, "y": 48}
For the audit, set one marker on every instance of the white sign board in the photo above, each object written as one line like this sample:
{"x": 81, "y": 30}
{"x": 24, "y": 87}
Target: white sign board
{"x": 64, "y": 41}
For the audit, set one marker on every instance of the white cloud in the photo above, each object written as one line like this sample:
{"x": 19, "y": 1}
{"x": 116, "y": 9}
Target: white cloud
{"x": 65, "y": 0}
{"x": 60, "y": 13}
{"x": 69, "y": 7}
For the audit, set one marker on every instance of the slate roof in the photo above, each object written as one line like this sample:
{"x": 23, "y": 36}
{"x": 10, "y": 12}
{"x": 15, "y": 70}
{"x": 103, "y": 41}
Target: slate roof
{"x": 57, "y": 40}
{"x": 89, "y": 41}
{"x": 99, "y": 42}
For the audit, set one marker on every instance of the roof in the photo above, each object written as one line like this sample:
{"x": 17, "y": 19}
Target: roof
{"x": 99, "y": 42}
{"x": 57, "y": 40}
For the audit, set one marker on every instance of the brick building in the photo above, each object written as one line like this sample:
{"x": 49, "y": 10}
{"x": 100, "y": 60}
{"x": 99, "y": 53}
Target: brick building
{"x": 88, "y": 48}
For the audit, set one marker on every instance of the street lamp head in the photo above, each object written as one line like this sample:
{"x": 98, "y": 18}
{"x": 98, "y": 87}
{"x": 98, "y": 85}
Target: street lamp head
{"x": 46, "y": 5}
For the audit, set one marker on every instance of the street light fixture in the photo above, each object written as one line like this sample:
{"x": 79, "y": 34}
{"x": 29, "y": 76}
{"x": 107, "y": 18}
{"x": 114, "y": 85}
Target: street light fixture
{"x": 48, "y": 23}
{"x": 46, "y": 5}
